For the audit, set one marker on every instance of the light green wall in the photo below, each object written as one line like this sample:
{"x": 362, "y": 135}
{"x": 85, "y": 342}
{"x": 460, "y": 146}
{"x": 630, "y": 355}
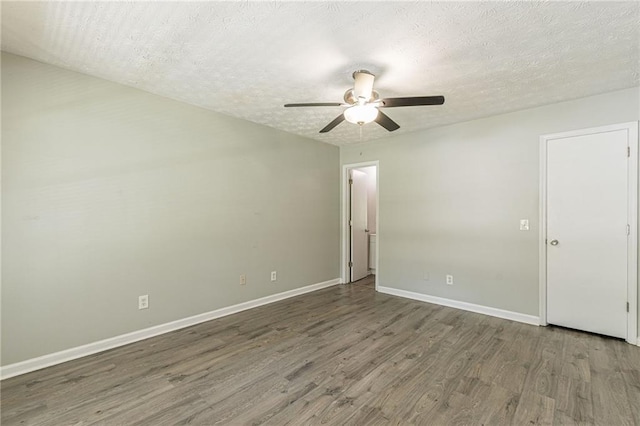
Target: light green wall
{"x": 109, "y": 193}
{"x": 451, "y": 199}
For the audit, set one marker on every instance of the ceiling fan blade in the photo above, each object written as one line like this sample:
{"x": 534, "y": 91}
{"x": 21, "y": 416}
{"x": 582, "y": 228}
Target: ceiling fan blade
{"x": 314, "y": 104}
{"x": 339, "y": 119}
{"x": 386, "y": 122}
{"x": 412, "y": 101}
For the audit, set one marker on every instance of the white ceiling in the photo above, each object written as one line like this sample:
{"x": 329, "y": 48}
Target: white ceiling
{"x": 247, "y": 59}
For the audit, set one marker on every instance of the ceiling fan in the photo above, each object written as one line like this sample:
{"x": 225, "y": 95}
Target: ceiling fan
{"x": 362, "y": 104}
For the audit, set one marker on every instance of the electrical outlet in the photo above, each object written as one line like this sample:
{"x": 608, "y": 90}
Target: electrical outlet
{"x": 449, "y": 279}
{"x": 243, "y": 279}
{"x": 524, "y": 224}
{"x": 143, "y": 301}
{"x": 274, "y": 275}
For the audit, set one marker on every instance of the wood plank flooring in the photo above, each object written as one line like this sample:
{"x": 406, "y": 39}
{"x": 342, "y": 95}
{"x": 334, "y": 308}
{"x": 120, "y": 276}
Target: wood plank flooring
{"x": 342, "y": 355}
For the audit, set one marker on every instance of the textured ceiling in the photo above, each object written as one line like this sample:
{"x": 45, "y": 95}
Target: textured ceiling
{"x": 247, "y": 59}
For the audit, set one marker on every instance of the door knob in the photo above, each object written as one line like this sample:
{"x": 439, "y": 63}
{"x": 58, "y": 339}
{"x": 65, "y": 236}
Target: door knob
{"x": 553, "y": 242}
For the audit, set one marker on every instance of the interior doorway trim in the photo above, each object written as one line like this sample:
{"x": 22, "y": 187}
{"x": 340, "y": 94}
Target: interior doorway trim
{"x": 344, "y": 229}
{"x": 632, "y": 241}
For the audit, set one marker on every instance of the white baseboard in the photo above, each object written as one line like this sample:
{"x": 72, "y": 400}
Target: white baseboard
{"x": 480, "y": 309}
{"x": 48, "y": 360}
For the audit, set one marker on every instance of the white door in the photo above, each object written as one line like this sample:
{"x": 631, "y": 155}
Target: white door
{"x": 359, "y": 244}
{"x": 587, "y": 218}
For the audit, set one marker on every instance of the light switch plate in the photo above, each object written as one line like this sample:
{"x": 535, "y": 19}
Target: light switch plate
{"x": 524, "y": 224}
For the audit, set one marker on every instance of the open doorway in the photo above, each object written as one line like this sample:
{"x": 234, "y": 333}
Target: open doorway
{"x": 360, "y": 223}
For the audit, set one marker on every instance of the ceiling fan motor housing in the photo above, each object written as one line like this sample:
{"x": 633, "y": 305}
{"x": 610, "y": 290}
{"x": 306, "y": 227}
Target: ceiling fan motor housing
{"x": 351, "y": 99}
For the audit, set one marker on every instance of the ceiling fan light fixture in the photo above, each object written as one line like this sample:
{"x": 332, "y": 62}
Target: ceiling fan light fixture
{"x": 361, "y": 114}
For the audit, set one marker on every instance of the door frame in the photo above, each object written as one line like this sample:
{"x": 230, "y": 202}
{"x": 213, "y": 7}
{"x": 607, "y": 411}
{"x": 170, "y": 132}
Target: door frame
{"x": 632, "y": 212}
{"x": 344, "y": 229}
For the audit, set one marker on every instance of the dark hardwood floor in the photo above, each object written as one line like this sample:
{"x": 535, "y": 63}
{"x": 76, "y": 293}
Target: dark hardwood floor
{"x": 342, "y": 355}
